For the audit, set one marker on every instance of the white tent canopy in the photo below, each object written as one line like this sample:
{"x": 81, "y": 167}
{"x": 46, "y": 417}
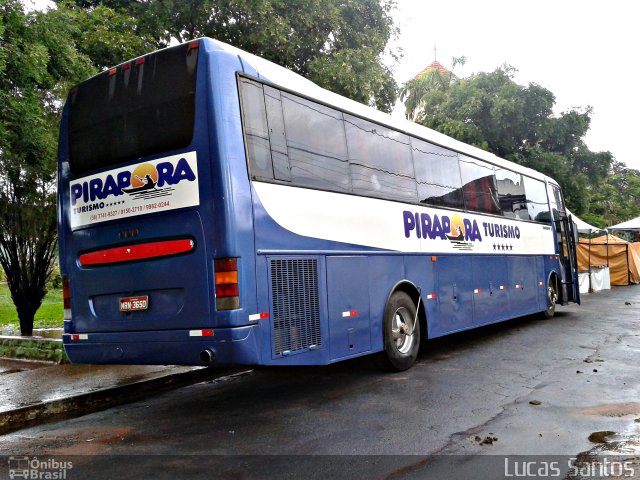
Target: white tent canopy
{"x": 633, "y": 224}
{"x": 583, "y": 227}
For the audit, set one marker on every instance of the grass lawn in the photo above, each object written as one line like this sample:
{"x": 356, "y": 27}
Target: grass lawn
{"x": 49, "y": 315}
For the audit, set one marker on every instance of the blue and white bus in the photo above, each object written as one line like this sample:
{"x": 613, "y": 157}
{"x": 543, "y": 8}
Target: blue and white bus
{"x": 217, "y": 208}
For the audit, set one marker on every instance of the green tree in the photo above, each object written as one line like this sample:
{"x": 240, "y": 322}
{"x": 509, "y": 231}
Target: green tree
{"x": 37, "y": 62}
{"x": 618, "y": 199}
{"x": 339, "y": 44}
{"x": 102, "y": 31}
{"x": 493, "y": 112}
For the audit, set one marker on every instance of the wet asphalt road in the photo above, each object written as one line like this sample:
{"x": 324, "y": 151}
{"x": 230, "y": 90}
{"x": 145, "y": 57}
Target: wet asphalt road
{"x": 533, "y": 387}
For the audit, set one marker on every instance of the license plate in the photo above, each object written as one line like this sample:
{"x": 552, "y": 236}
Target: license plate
{"x": 134, "y": 304}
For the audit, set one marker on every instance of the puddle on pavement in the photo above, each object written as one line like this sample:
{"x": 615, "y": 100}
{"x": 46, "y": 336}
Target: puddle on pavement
{"x": 614, "y": 455}
{"x": 48, "y": 332}
{"x": 9, "y": 366}
{"x": 601, "y": 437}
{"x": 37, "y": 332}
{"x": 617, "y": 444}
{"x": 9, "y": 331}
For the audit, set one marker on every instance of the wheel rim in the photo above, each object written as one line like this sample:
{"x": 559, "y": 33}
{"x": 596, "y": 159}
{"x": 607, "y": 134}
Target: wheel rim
{"x": 402, "y": 330}
{"x": 552, "y": 296}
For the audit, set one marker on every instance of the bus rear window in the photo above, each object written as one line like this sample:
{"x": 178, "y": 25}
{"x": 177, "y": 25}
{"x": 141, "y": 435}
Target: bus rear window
{"x": 141, "y": 108}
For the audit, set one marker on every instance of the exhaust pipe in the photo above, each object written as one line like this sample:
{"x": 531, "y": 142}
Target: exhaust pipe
{"x": 207, "y": 357}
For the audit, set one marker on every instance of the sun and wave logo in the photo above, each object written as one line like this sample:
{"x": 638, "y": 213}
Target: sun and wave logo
{"x": 144, "y": 183}
{"x": 458, "y": 232}
{"x": 457, "y": 228}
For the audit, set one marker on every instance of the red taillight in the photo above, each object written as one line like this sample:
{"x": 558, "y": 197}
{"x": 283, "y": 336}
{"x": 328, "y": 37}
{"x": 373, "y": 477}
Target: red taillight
{"x": 194, "y": 44}
{"x": 142, "y": 251}
{"x": 66, "y": 298}
{"x": 227, "y": 290}
{"x": 226, "y": 278}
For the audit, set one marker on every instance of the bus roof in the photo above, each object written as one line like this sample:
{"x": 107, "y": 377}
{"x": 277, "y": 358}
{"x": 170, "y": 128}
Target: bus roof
{"x": 289, "y": 80}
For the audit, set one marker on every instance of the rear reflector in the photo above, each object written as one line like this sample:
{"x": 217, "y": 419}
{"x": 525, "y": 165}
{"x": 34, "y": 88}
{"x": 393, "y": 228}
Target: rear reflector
{"x": 76, "y": 337}
{"x": 226, "y": 279}
{"x": 142, "y": 251}
{"x": 66, "y": 298}
{"x": 201, "y": 333}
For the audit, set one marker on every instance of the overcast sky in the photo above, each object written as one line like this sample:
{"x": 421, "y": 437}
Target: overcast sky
{"x": 585, "y": 52}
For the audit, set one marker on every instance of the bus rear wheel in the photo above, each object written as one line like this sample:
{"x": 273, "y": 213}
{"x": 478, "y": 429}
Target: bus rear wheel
{"x": 401, "y": 332}
{"x": 552, "y": 298}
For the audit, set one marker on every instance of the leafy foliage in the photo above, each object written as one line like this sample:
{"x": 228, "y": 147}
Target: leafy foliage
{"x": 102, "y": 32}
{"x": 618, "y": 199}
{"x": 493, "y": 112}
{"x": 336, "y": 43}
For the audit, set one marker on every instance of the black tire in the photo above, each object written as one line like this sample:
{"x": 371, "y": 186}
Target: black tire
{"x": 401, "y": 330}
{"x": 552, "y": 298}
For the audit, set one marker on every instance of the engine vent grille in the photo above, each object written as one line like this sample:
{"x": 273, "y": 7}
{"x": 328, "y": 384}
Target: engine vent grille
{"x": 296, "y": 311}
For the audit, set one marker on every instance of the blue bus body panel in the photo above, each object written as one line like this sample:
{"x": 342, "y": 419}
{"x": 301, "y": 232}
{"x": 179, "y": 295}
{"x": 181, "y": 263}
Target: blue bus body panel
{"x": 229, "y": 345}
{"x": 352, "y": 272}
{"x": 451, "y": 311}
{"x": 348, "y": 306}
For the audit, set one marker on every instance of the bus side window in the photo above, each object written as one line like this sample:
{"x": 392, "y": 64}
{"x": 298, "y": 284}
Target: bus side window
{"x": 277, "y": 135}
{"x": 437, "y": 175}
{"x": 316, "y": 144}
{"x": 256, "y": 131}
{"x": 479, "y": 186}
{"x": 557, "y": 205}
{"x": 380, "y": 161}
{"x": 511, "y": 194}
{"x": 537, "y": 202}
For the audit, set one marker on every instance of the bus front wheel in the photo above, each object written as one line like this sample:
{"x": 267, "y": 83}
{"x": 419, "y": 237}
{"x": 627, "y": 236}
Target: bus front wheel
{"x": 401, "y": 332}
{"x": 552, "y": 298}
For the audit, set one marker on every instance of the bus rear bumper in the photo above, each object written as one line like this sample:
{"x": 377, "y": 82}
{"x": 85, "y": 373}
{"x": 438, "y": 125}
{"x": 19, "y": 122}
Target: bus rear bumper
{"x": 221, "y": 346}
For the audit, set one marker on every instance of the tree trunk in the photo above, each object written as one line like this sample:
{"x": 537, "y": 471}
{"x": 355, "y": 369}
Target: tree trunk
{"x": 26, "y": 312}
{"x": 27, "y": 302}
{"x": 26, "y": 327}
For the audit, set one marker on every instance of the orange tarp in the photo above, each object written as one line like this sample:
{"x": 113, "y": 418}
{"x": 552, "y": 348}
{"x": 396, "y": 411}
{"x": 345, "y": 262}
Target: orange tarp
{"x": 622, "y": 257}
